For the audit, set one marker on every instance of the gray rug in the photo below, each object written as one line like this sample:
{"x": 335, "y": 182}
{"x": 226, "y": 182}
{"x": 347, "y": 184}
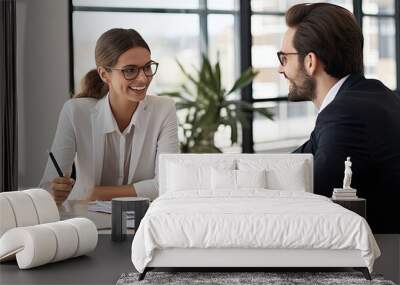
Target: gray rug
{"x": 269, "y": 278}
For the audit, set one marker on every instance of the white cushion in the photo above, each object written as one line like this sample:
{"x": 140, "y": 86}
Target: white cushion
{"x": 67, "y": 239}
{"x": 87, "y": 235}
{"x": 45, "y": 205}
{"x": 251, "y": 178}
{"x": 292, "y": 180}
{"x": 283, "y": 174}
{"x": 183, "y": 177}
{"x": 189, "y": 172}
{"x": 31, "y": 246}
{"x": 226, "y": 179}
{"x": 7, "y": 218}
{"x": 40, "y": 244}
{"x": 34, "y": 244}
{"x": 287, "y": 163}
{"x": 223, "y": 179}
{"x": 26, "y": 208}
{"x": 23, "y": 208}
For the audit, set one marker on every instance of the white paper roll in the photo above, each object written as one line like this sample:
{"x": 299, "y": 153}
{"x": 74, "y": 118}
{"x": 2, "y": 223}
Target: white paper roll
{"x": 87, "y": 234}
{"x": 7, "y": 218}
{"x": 45, "y": 205}
{"x": 67, "y": 239}
{"x": 24, "y": 210}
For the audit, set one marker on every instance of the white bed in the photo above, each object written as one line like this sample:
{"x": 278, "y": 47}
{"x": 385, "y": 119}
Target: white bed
{"x": 230, "y": 210}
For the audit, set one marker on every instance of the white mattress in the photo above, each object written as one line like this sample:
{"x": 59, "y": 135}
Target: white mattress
{"x": 256, "y": 219}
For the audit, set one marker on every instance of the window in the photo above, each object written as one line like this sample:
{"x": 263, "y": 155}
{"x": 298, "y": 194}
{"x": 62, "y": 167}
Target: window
{"x": 166, "y": 44}
{"x": 184, "y": 29}
{"x": 379, "y": 41}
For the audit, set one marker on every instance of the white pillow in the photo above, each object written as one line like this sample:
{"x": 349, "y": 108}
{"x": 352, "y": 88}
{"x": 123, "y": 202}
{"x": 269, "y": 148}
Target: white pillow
{"x": 292, "y": 180}
{"x": 183, "y": 177}
{"x": 230, "y": 180}
{"x": 251, "y": 178}
{"x": 281, "y": 174}
{"x": 223, "y": 179}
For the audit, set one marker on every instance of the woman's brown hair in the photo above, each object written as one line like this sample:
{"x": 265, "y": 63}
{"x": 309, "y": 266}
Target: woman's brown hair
{"x": 109, "y": 47}
{"x": 332, "y": 33}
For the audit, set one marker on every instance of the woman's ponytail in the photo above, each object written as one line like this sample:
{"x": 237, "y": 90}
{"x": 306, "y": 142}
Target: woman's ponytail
{"x": 92, "y": 86}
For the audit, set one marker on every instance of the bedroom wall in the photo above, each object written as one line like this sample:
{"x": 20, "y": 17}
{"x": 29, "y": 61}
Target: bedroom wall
{"x": 42, "y": 81}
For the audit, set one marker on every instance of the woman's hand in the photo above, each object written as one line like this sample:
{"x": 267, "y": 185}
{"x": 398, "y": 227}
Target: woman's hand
{"x": 106, "y": 193}
{"x": 61, "y": 187}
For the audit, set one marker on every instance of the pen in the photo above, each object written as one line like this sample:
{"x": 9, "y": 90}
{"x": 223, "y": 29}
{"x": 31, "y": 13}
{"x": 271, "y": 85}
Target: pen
{"x": 56, "y": 164}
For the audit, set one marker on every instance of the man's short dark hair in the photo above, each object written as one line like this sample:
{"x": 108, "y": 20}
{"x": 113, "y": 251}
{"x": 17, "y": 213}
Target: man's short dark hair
{"x": 332, "y": 33}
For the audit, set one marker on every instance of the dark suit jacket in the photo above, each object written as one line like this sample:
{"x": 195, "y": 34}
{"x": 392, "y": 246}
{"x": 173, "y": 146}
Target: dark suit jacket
{"x": 363, "y": 122}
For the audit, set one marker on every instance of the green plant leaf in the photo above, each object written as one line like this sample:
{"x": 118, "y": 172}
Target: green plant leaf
{"x": 218, "y": 80}
{"x": 208, "y": 73}
{"x": 188, "y": 92}
{"x": 185, "y": 105}
{"x": 245, "y": 106}
{"x": 245, "y": 79}
{"x": 265, "y": 112}
{"x": 205, "y": 93}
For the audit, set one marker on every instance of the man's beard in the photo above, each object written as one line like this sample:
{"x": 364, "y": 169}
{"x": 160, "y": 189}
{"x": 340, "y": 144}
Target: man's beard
{"x": 305, "y": 91}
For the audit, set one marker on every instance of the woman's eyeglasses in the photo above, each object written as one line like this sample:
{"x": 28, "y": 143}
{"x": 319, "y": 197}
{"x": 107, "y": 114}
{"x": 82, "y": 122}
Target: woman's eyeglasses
{"x": 132, "y": 71}
{"x": 282, "y": 56}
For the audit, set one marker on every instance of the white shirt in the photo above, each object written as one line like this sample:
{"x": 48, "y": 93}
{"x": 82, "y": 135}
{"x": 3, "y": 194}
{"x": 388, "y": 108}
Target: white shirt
{"x": 117, "y": 149}
{"x": 332, "y": 93}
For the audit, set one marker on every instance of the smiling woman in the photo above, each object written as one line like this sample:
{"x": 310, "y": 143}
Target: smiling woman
{"x": 105, "y": 126}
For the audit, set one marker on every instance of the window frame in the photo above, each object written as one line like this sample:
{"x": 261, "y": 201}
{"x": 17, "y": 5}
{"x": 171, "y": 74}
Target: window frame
{"x": 242, "y": 27}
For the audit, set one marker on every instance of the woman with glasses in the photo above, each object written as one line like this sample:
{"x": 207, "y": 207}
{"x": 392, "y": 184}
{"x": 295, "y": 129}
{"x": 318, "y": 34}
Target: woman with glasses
{"x": 112, "y": 129}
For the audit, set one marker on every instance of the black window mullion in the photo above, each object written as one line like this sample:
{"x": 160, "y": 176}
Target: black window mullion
{"x": 203, "y": 27}
{"x": 71, "y": 50}
{"x": 134, "y": 10}
{"x": 245, "y": 62}
{"x": 358, "y": 13}
{"x": 397, "y": 40}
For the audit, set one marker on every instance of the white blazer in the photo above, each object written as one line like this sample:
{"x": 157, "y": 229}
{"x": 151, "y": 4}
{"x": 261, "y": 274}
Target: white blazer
{"x": 80, "y": 135}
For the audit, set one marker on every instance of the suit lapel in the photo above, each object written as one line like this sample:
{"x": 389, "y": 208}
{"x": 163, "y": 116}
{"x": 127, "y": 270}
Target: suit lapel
{"x": 98, "y": 136}
{"x": 138, "y": 137}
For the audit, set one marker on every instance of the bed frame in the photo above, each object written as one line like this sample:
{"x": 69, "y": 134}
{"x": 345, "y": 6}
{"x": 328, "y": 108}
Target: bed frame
{"x": 242, "y": 259}
{"x": 246, "y": 259}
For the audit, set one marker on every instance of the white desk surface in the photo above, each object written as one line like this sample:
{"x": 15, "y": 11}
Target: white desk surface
{"x": 78, "y": 208}
{"x": 75, "y": 208}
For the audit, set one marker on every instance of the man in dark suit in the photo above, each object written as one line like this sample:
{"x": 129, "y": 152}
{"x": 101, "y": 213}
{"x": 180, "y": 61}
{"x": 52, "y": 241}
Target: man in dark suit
{"x": 322, "y": 58}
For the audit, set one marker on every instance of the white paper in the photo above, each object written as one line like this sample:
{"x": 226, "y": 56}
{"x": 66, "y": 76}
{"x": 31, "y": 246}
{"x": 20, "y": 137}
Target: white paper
{"x": 105, "y": 207}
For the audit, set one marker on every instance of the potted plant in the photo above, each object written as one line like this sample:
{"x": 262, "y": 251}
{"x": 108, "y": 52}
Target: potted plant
{"x": 207, "y": 107}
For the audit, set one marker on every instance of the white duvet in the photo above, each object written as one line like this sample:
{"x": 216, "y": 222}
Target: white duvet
{"x": 250, "y": 219}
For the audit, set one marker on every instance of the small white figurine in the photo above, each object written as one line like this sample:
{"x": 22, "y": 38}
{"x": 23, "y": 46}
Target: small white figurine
{"x": 347, "y": 174}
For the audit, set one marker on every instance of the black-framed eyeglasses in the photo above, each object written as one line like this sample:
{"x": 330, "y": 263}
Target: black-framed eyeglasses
{"x": 132, "y": 71}
{"x": 282, "y": 56}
